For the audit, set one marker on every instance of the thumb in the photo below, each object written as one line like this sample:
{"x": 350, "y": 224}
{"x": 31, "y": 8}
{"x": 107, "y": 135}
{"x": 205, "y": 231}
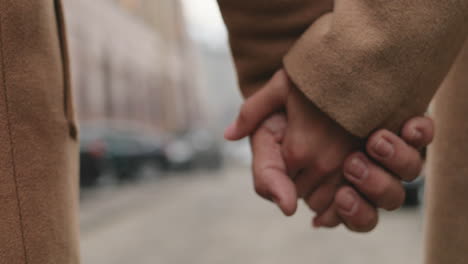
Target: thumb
{"x": 259, "y": 106}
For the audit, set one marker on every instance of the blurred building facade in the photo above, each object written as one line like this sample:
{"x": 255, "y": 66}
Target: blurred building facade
{"x": 132, "y": 60}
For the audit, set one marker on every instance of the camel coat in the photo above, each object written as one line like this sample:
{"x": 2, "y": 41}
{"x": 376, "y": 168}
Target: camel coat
{"x": 369, "y": 65}
{"x": 38, "y": 137}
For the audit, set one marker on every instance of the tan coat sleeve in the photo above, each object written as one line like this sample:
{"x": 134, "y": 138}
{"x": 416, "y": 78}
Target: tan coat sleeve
{"x": 262, "y": 31}
{"x": 375, "y": 63}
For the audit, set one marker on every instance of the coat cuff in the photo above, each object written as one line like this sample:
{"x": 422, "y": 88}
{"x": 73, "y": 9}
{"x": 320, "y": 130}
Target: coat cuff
{"x": 365, "y": 80}
{"x": 336, "y": 86}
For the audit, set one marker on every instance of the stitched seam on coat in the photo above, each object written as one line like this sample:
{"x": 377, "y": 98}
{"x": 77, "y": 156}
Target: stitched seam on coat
{"x": 10, "y": 135}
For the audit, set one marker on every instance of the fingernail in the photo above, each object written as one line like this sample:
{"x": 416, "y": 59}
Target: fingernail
{"x": 383, "y": 148}
{"x": 357, "y": 169}
{"x": 347, "y": 203}
{"x": 416, "y": 134}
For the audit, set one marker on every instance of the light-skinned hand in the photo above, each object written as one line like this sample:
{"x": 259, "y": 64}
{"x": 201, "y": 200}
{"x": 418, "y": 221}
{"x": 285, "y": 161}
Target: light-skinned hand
{"x": 303, "y": 156}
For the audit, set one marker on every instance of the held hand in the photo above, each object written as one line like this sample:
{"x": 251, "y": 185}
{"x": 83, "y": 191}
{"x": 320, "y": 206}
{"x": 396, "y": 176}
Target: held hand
{"x": 377, "y": 182}
{"x": 314, "y": 146}
{"x": 269, "y": 168}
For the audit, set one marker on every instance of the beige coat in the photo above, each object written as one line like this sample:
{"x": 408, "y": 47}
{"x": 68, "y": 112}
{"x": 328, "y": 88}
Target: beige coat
{"x": 38, "y": 155}
{"x": 368, "y": 65}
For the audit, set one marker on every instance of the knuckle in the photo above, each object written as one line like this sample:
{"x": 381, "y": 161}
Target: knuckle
{"x": 294, "y": 155}
{"x": 323, "y": 167}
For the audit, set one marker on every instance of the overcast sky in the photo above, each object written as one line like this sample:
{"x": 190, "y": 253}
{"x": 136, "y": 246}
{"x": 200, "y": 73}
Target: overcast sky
{"x": 205, "y": 22}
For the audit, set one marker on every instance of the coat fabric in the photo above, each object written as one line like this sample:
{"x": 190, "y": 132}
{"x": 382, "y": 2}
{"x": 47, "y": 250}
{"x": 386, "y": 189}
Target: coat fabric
{"x": 38, "y": 157}
{"x": 369, "y": 65}
{"x": 447, "y": 182}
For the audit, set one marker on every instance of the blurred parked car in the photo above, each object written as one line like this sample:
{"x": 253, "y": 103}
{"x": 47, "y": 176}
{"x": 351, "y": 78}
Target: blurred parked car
{"x": 414, "y": 192}
{"x": 123, "y": 152}
{"x": 194, "y": 149}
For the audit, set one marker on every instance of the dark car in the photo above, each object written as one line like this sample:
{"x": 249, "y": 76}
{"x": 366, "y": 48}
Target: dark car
{"x": 123, "y": 152}
{"x": 415, "y": 189}
{"x": 414, "y": 192}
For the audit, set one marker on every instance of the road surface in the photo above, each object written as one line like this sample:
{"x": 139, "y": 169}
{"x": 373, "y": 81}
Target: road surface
{"x": 215, "y": 218}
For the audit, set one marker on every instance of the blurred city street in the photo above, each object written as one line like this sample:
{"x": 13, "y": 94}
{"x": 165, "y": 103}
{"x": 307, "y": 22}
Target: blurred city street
{"x": 214, "y": 217}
